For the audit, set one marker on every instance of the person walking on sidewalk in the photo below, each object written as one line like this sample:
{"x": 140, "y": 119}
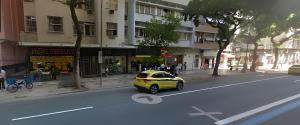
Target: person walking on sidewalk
{"x": 2, "y": 78}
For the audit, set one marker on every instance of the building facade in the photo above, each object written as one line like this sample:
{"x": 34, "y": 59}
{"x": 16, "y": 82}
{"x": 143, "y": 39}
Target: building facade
{"x": 111, "y": 26}
{"x": 12, "y": 56}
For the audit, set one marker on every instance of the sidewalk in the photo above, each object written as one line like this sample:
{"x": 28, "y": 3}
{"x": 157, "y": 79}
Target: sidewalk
{"x": 48, "y": 88}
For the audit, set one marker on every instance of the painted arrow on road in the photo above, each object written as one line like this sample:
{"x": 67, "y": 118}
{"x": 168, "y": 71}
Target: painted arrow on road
{"x": 146, "y": 99}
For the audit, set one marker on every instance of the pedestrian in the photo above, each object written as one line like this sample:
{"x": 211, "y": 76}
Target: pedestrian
{"x": 177, "y": 69}
{"x": 184, "y": 66}
{"x": 2, "y": 78}
{"x": 53, "y": 72}
{"x": 162, "y": 67}
{"x": 180, "y": 66}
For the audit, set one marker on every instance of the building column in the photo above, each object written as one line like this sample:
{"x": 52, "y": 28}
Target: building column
{"x": 131, "y": 21}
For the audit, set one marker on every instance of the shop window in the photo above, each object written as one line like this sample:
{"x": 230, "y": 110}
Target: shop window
{"x": 30, "y": 24}
{"x": 112, "y": 30}
{"x": 55, "y": 24}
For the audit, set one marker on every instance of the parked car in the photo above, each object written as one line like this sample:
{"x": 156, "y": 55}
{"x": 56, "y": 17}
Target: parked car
{"x": 294, "y": 70}
{"x": 153, "y": 81}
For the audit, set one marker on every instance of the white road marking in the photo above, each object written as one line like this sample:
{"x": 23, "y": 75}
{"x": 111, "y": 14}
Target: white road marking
{"x": 255, "y": 111}
{"x": 296, "y": 81}
{"x": 54, "y": 113}
{"x": 217, "y": 87}
{"x": 203, "y": 113}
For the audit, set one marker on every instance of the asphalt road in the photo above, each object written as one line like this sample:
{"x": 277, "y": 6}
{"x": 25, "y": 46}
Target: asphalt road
{"x": 246, "y": 99}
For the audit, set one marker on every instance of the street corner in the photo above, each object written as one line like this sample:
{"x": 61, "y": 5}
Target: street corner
{"x": 146, "y": 99}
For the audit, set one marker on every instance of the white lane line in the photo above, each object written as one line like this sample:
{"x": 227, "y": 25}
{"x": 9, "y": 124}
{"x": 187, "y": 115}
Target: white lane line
{"x": 53, "y": 113}
{"x": 217, "y": 87}
{"x": 255, "y": 111}
{"x": 296, "y": 81}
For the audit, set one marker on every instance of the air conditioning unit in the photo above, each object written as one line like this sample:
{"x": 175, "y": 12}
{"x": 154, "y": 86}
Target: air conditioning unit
{"x": 111, "y": 11}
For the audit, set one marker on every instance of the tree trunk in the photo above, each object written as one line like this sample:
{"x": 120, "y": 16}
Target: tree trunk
{"x": 77, "y": 83}
{"x": 218, "y": 60}
{"x": 276, "y": 52}
{"x": 255, "y": 56}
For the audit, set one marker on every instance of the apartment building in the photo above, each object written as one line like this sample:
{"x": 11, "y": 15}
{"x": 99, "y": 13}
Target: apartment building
{"x": 12, "y": 56}
{"x": 196, "y": 46}
{"x": 114, "y": 25}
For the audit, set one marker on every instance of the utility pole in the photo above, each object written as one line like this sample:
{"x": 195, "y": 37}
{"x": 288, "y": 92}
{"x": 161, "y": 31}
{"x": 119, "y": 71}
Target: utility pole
{"x": 99, "y": 23}
{"x": 101, "y": 35}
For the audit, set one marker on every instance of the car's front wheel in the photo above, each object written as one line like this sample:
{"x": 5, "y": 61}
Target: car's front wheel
{"x": 179, "y": 86}
{"x": 154, "y": 89}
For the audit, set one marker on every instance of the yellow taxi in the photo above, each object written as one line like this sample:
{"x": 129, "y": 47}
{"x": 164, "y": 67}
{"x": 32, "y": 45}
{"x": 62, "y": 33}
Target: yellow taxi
{"x": 153, "y": 81}
{"x": 294, "y": 70}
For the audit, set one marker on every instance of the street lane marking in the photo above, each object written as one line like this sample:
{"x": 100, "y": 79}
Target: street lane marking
{"x": 296, "y": 81}
{"x": 203, "y": 113}
{"x": 255, "y": 111}
{"x": 146, "y": 99}
{"x": 257, "y": 120}
{"x": 54, "y": 113}
{"x": 217, "y": 87}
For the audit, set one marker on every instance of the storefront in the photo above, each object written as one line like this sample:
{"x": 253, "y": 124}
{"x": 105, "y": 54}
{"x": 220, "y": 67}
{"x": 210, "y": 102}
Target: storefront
{"x": 115, "y": 61}
{"x": 61, "y": 58}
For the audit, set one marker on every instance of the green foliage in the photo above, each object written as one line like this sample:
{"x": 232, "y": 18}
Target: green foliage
{"x": 161, "y": 32}
{"x": 226, "y": 15}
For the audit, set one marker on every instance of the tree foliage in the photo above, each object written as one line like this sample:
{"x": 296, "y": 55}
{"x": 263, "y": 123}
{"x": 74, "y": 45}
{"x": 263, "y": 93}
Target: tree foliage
{"x": 161, "y": 32}
{"x": 226, "y": 15}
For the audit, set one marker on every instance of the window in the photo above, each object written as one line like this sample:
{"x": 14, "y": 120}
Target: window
{"x": 90, "y": 4}
{"x": 112, "y": 4}
{"x": 142, "y": 9}
{"x": 137, "y": 8}
{"x": 167, "y": 75}
{"x": 140, "y": 32}
{"x": 90, "y": 29}
{"x": 28, "y": 0}
{"x": 142, "y": 75}
{"x": 55, "y": 24}
{"x": 30, "y": 24}
{"x": 199, "y": 37}
{"x": 160, "y": 12}
{"x": 152, "y": 11}
{"x": 81, "y": 24}
{"x": 185, "y": 36}
{"x": 158, "y": 75}
{"x": 147, "y": 10}
{"x": 112, "y": 29}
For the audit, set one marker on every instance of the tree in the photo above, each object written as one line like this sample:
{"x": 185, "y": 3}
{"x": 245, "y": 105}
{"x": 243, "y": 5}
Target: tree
{"x": 161, "y": 32}
{"x": 282, "y": 31}
{"x": 226, "y": 15}
{"x": 253, "y": 32}
{"x": 72, "y": 6}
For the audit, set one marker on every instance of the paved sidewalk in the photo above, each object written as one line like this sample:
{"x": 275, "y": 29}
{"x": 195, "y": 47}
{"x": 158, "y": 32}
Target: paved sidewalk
{"x": 44, "y": 89}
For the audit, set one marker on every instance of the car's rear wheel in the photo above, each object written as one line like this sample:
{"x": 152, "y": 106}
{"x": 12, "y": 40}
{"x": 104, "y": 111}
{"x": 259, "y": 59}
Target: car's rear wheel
{"x": 153, "y": 89}
{"x": 179, "y": 86}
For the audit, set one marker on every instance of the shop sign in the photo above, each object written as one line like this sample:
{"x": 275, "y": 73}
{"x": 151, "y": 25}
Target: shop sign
{"x": 51, "y": 52}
